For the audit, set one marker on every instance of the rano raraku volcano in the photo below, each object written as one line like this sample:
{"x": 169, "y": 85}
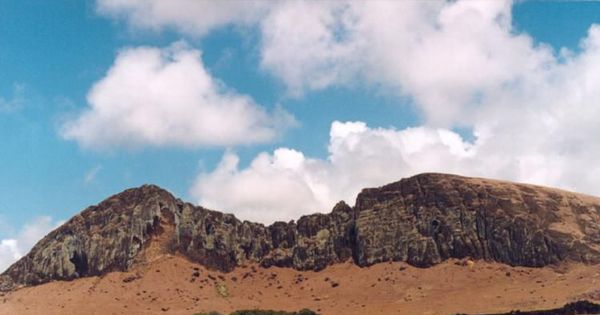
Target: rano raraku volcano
{"x": 422, "y": 220}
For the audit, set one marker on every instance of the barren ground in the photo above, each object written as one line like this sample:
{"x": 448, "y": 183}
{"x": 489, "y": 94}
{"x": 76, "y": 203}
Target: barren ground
{"x": 168, "y": 286}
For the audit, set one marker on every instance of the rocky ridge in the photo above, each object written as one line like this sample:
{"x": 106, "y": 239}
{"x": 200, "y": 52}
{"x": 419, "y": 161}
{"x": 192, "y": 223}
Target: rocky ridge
{"x": 422, "y": 220}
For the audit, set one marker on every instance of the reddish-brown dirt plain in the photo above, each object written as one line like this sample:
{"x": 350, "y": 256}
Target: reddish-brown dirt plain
{"x": 173, "y": 285}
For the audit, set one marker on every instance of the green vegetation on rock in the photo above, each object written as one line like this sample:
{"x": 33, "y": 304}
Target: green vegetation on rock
{"x": 222, "y": 290}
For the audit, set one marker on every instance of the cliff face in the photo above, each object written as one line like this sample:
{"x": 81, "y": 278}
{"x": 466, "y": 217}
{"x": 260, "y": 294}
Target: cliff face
{"x": 422, "y": 220}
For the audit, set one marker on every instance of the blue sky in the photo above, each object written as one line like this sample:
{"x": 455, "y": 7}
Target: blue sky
{"x": 52, "y": 53}
{"x": 56, "y": 52}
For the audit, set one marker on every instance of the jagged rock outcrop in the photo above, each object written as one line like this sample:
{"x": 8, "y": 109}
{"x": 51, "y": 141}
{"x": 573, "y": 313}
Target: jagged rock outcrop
{"x": 422, "y": 220}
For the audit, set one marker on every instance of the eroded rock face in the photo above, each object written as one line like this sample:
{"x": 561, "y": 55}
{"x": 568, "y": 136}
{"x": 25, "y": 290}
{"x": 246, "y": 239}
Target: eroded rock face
{"x": 422, "y": 220}
{"x": 432, "y": 217}
{"x": 102, "y": 238}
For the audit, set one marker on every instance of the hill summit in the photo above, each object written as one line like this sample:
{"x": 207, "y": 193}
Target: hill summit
{"x": 422, "y": 220}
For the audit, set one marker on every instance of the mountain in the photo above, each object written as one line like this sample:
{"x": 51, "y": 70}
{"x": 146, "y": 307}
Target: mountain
{"x": 423, "y": 221}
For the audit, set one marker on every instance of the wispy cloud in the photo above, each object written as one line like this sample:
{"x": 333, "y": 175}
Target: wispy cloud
{"x": 14, "y": 102}
{"x": 91, "y": 174}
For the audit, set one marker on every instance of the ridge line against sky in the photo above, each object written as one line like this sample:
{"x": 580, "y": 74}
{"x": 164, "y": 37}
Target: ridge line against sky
{"x": 274, "y": 110}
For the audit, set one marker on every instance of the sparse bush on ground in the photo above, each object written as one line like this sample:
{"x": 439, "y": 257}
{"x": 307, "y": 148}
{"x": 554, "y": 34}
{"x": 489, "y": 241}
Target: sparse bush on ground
{"x": 222, "y": 290}
{"x": 263, "y": 312}
{"x": 270, "y": 312}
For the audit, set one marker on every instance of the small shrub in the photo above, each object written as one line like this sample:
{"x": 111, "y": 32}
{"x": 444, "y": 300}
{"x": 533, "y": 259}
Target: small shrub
{"x": 222, "y": 290}
{"x": 271, "y": 312}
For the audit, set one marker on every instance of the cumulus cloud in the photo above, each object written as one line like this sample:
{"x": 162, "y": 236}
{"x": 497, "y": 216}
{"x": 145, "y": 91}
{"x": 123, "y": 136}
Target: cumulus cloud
{"x": 448, "y": 56}
{"x": 11, "y": 249}
{"x": 286, "y": 184}
{"x": 533, "y": 110}
{"x": 275, "y": 186}
{"x": 311, "y": 44}
{"x": 541, "y": 130}
{"x": 9, "y": 253}
{"x": 165, "y": 97}
{"x": 189, "y": 16}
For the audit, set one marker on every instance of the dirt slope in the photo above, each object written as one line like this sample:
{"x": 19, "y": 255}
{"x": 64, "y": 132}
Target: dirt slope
{"x": 169, "y": 285}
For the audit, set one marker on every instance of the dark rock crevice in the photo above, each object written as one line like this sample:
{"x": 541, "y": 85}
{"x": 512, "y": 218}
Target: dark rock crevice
{"x": 80, "y": 261}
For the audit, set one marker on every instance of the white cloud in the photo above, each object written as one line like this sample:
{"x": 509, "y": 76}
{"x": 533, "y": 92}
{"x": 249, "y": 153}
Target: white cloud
{"x": 11, "y": 249}
{"x": 9, "y": 253}
{"x": 447, "y": 56}
{"x": 274, "y": 186}
{"x": 286, "y": 184}
{"x": 189, "y": 16}
{"x": 310, "y": 44}
{"x": 533, "y": 111}
{"x": 165, "y": 97}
